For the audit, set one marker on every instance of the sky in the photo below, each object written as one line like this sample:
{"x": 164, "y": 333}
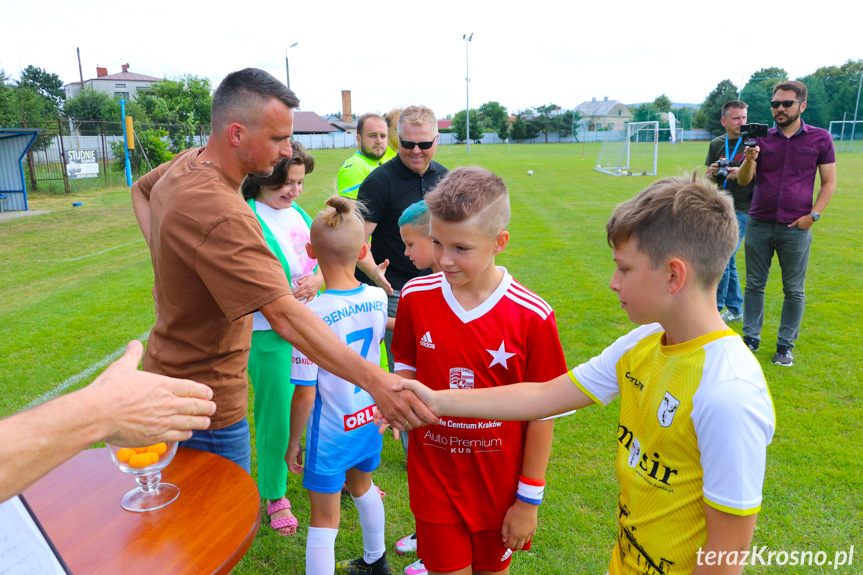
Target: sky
{"x": 392, "y": 54}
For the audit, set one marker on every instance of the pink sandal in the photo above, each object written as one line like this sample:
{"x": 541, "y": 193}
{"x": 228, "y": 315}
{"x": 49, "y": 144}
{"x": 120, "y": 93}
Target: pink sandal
{"x": 282, "y": 522}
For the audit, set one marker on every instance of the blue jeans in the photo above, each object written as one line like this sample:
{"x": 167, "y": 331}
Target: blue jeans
{"x": 233, "y": 442}
{"x": 728, "y": 293}
{"x": 791, "y": 246}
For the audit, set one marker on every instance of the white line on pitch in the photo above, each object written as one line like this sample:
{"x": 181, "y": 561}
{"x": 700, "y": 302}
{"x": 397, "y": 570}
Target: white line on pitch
{"x": 86, "y": 374}
{"x": 79, "y": 257}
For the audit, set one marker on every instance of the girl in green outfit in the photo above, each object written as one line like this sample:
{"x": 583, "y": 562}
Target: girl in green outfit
{"x": 286, "y": 229}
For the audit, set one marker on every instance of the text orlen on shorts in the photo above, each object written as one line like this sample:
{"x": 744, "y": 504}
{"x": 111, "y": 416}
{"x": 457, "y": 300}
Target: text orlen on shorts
{"x": 765, "y": 556}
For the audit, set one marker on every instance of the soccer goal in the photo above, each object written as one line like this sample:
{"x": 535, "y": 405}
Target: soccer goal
{"x": 630, "y": 152}
{"x": 847, "y": 135}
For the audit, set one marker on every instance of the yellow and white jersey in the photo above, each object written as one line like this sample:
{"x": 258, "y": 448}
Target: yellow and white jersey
{"x": 695, "y": 422}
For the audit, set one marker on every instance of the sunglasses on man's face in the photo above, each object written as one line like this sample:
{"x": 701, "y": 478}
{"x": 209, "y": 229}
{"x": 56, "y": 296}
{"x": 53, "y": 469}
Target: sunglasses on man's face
{"x": 408, "y": 145}
{"x": 784, "y": 103}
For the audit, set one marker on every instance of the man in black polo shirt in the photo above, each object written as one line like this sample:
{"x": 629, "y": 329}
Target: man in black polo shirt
{"x": 391, "y": 188}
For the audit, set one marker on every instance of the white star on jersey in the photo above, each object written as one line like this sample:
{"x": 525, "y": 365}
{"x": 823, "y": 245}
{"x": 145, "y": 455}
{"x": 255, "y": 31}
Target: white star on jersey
{"x": 500, "y": 356}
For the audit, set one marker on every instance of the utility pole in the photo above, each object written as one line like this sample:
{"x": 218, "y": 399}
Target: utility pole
{"x": 467, "y": 84}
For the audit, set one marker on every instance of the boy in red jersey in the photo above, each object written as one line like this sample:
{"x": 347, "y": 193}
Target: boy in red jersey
{"x": 475, "y": 484}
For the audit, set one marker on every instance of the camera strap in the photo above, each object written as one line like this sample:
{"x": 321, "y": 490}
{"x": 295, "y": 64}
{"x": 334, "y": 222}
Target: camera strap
{"x": 730, "y": 157}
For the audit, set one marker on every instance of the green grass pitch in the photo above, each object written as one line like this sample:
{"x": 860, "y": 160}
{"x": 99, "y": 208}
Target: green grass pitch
{"x": 76, "y": 286}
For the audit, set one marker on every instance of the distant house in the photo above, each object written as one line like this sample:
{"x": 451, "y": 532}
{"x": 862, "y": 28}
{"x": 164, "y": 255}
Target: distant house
{"x": 125, "y": 84}
{"x": 311, "y": 123}
{"x": 443, "y": 124}
{"x": 335, "y": 120}
{"x": 605, "y": 114}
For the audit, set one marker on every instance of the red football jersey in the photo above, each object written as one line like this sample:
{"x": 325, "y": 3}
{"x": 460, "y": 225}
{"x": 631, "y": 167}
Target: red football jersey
{"x": 464, "y": 469}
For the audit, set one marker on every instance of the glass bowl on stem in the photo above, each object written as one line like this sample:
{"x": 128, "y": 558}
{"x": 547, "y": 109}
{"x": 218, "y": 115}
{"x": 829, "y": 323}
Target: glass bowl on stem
{"x": 146, "y": 464}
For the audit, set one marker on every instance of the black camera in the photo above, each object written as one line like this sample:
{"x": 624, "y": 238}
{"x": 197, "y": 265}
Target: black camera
{"x": 751, "y": 131}
{"x": 722, "y": 170}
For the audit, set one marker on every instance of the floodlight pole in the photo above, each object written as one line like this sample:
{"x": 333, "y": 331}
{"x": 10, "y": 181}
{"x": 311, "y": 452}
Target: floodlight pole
{"x": 467, "y": 40}
{"x": 287, "y": 68}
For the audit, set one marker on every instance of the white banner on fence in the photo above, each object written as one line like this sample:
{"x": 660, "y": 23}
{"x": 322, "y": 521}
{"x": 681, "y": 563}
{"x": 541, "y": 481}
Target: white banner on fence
{"x": 81, "y": 164}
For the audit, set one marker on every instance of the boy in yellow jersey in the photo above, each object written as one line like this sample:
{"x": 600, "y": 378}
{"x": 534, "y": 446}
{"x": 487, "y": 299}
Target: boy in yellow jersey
{"x": 695, "y": 416}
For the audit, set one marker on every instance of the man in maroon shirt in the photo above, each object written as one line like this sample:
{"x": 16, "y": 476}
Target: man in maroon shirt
{"x": 784, "y": 164}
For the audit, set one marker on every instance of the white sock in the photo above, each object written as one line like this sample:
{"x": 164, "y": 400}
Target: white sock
{"x": 321, "y": 550}
{"x": 371, "y": 511}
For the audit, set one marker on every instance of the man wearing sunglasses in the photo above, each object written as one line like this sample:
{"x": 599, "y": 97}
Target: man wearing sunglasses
{"x": 391, "y": 188}
{"x": 784, "y": 164}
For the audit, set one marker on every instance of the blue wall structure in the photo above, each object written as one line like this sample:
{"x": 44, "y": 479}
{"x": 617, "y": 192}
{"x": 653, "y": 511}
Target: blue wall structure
{"x": 14, "y": 143}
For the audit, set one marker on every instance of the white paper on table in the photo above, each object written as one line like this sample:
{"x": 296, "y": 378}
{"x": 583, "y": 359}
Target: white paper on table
{"x": 24, "y": 547}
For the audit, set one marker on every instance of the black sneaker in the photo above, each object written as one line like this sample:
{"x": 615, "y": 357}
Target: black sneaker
{"x": 783, "y": 356}
{"x": 751, "y": 342}
{"x": 360, "y": 567}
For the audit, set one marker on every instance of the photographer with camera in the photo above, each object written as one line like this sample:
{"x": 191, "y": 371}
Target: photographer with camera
{"x": 724, "y": 157}
{"x": 783, "y": 165}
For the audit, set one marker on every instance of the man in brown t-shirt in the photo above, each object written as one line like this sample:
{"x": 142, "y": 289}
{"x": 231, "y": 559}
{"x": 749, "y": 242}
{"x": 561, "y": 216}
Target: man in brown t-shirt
{"x": 213, "y": 268}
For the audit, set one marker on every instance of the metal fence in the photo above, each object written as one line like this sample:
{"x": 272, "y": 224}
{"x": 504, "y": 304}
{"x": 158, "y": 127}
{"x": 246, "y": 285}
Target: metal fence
{"x": 49, "y": 159}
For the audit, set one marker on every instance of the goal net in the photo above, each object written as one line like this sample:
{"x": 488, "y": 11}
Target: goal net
{"x": 847, "y": 135}
{"x": 630, "y": 152}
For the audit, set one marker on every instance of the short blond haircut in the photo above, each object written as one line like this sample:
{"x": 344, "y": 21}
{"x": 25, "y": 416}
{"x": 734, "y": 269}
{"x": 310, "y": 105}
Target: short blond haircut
{"x": 392, "y": 117}
{"x": 418, "y": 116}
{"x": 337, "y": 233}
{"x": 681, "y": 216}
{"x": 473, "y": 192}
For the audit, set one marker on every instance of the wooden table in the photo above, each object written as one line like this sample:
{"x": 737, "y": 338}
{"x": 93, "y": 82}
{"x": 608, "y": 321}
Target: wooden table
{"x": 207, "y": 529}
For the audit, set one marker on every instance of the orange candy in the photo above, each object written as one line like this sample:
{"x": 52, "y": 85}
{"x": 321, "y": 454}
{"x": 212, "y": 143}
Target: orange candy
{"x": 125, "y": 454}
{"x": 159, "y": 448}
{"x": 140, "y": 460}
{"x": 139, "y": 457}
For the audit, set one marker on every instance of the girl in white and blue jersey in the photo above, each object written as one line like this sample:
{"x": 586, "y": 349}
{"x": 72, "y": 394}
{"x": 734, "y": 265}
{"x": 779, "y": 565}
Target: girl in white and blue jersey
{"x": 343, "y": 445}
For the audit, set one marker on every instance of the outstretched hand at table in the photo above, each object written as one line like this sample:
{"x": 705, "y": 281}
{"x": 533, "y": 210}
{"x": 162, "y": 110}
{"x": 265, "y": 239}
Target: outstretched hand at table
{"x": 123, "y": 406}
{"x": 138, "y": 408}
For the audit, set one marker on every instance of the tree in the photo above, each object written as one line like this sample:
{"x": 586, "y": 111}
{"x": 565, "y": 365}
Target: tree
{"x": 21, "y": 102}
{"x": 662, "y": 103}
{"x": 181, "y": 105}
{"x": 112, "y": 111}
{"x": 759, "y": 91}
{"x": 645, "y": 113}
{"x": 546, "y": 121}
{"x": 87, "y": 105}
{"x": 494, "y": 118}
{"x": 566, "y": 121}
{"x": 186, "y": 100}
{"x": 5, "y": 100}
{"x": 522, "y": 129}
{"x": 711, "y": 110}
{"x": 818, "y": 107}
{"x": 503, "y": 130}
{"x": 153, "y": 143}
{"x": 840, "y": 84}
{"x": 46, "y": 84}
{"x": 459, "y": 126}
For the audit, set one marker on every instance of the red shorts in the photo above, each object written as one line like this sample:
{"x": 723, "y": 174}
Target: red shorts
{"x": 450, "y": 547}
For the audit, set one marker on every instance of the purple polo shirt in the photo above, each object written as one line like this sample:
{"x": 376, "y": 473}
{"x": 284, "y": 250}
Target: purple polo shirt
{"x": 785, "y": 173}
